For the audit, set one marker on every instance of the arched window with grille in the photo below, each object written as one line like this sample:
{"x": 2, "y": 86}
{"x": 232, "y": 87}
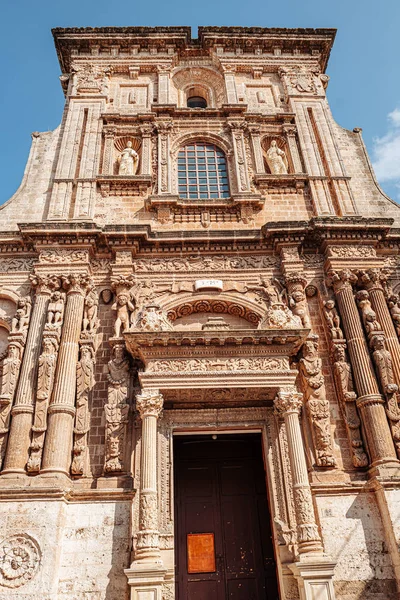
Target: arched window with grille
{"x": 202, "y": 172}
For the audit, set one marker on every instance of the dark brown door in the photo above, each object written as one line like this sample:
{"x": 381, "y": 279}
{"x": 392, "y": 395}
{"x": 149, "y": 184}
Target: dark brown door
{"x": 220, "y": 492}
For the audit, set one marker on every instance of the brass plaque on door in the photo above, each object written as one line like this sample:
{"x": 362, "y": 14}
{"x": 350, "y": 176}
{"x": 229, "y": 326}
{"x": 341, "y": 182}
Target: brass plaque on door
{"x": 201, "y": 553}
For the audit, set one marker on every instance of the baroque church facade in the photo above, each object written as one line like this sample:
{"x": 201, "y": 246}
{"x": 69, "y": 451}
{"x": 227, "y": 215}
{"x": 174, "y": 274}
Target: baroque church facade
{"x": 199, "y": 331}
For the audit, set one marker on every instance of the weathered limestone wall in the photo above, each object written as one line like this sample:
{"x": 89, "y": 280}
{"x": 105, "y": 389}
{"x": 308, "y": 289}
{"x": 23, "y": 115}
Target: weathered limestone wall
{"x": 354, "y": 535}
{"x": 83, "y": 549}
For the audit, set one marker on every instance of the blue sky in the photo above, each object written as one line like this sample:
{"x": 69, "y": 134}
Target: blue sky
{"x": 364, "y": 90}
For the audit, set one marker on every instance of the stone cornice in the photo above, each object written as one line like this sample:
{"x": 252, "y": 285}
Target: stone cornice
{"x": 302, "y": 44}
{"x": 318, "y": 233}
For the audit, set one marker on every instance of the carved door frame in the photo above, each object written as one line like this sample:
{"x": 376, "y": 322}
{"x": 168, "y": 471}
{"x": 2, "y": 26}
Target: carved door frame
{"x": 275, "y": 454}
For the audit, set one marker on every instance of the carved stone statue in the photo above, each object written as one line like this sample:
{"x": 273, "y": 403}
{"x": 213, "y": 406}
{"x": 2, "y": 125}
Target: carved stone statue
{"x": 55, "y": 311}
{"x": 20, "y": 321}
{"x": 11, "y": 366}
{"x": 368, "y": 315}
{"x": 47, "y": 368}
{"x": 347, "y": 401}
{"x": 116, "y": 410}
{"x": 313, "y": 385}
{"x": 10, "y": 373}
{"x": 153, "y": 318}
{"x": 124, "y": 306}
{"x": 90, "y": 321}
{"x": 270, "y": 291}
{"x": 332, "y": 320}
{"x": 276, "y": 159}
{"x": 383, "y": 363}
{"x": 84, "y": 385}
{"x": 128, "y": 161}
{"x": 394, "y": 307}
{"x": 298, "y": 306}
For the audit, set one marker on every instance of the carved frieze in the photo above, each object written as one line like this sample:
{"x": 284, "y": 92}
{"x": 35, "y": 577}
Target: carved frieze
{"x": 63, "y": 256}
{"x": 201, "y": 365}
{"x": 205, "y": 263}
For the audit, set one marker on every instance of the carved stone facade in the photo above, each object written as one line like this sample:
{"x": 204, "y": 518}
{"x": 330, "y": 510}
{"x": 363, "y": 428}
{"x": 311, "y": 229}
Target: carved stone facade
{"x": 176, "y": 269}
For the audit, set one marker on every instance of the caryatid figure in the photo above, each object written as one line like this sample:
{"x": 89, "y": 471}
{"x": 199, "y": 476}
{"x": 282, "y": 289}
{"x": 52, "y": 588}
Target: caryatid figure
{"x": 276, "y": 159}
{"x": 128, "y": 161}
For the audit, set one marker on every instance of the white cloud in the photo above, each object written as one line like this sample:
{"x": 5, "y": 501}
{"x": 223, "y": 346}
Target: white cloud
{"x": 386, "y": 152}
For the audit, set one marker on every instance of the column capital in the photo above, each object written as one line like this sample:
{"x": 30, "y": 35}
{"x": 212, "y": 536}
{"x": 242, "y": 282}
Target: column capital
{"x": 340, "y": 280}
{"x": 373, "y": 278}
{"x": 288, "y": 401}
{"x": 149, "y": 403}
{"x": 45, "y": 284}
{"x": 77, "y": 283}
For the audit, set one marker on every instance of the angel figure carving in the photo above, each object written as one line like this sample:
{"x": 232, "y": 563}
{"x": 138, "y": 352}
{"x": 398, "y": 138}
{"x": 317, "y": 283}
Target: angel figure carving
{"x": 276, "y": 159}
{"x": 124, "y": 306}
{"x": 128, "y": 161}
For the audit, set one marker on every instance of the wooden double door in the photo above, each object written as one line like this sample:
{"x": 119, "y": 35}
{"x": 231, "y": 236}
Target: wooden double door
{"x": 223, "y": 538}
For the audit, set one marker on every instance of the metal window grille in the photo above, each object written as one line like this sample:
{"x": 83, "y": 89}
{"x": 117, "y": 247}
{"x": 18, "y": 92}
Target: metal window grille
{"x": 202, "y": 172}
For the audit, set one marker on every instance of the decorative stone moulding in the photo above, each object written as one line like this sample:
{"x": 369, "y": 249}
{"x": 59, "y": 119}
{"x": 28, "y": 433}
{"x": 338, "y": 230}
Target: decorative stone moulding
{"x": 266, "y": 181}
{"x": 240, "y": 207}
{"x": 117, "y": 185}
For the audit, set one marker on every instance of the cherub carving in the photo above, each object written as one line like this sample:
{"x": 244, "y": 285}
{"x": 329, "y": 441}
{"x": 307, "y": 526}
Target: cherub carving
{"x": 271, "y": 291}
{"x": 298, "y": 306}
{"x": 124, "y": 306}
{"x": 90, "y": 321}
{"x": 332, "y": 319}
{"x": 20, "y": 321}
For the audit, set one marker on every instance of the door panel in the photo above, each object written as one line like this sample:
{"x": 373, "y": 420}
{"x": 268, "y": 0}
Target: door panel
{"x": 220, "y": 489}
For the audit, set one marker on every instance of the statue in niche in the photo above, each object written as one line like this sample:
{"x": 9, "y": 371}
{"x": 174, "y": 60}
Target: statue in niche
{"x": 20, "y": 321}
{"x": 276, "y": 159}
{"x": 124, "y": 306}
{"x": 55, "y": 311}
{"x": 333, "y": 320}
{"x": 128, "y": 161}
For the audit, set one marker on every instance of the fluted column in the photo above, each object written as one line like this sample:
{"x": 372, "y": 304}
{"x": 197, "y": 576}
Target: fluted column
{"x": 370, "y": 401}
{"x": 22, "y": 413}
{"x": 149, "y": 405}
{"x": 288, "y": 405}
{"x": 373, "y": 280}
{"x": 58, "y": 445}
